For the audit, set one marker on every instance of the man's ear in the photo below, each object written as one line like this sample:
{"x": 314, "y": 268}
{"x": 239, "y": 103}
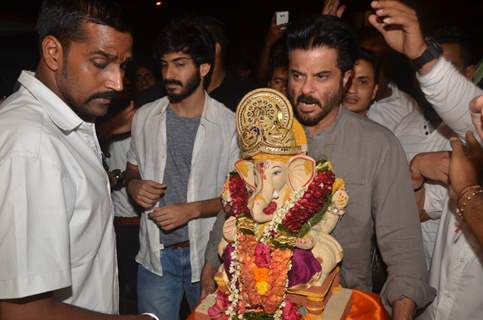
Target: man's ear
{"x": 374, "y": 92}
{"x": 204, "y": 69}
{"x": 345, "y": 79}
{"x": 52, "y": 52}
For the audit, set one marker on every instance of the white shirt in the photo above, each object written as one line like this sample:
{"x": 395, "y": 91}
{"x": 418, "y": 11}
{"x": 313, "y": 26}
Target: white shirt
{"x": 56, "y": 231}
{"x": 122, "y": 204}
{"x": 215, "y": 151}
{"x": 456, "y": 268}
{"x": 390, "y": 110}
{"x": 416, "y": 136}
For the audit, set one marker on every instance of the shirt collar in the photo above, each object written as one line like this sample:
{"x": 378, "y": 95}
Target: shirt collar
{"x": 58, "y": 111}
{"x": 208, "y": 114}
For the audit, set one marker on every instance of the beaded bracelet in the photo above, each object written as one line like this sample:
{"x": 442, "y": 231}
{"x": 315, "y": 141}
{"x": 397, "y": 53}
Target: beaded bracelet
{"x": 465, "y": 196}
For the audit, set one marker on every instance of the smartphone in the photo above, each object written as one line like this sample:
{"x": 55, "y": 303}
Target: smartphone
{"x": 281, "y": 17}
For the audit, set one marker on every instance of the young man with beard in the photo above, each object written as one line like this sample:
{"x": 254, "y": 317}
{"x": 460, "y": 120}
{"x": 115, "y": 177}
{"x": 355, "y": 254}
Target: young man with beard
{"x": 182, "y": 148}
{"x": 58, "y": 255}
{"x": 368, "y": 157}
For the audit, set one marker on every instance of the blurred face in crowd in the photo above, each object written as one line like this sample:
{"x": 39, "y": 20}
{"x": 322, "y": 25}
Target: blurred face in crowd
{"x": 376, "y": 44}
{"x": 181, "y": 75}
{"x": 279, "y": 80}
{"x": 143, "y": 78}
{"x": 89, "y": 73}
{"x": 453, "y": 52}
{"x": 363, "y": 87}
{"x": 315, "y": 84}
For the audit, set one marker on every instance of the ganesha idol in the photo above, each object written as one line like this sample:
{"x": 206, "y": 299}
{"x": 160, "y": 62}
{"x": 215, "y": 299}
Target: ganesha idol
{"x": 279, "y": 259}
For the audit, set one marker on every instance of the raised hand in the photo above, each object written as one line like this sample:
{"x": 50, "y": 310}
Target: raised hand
{"x": 333, "y": 8}
{"x": 275, "y": 32}
{"x": 400, "y": 27}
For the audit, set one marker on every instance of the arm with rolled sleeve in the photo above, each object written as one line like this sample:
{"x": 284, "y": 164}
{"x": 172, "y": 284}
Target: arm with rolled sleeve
{"x": 398, "y": 230}
{"x": 34, "y": 227}
{"x": 450, "y": 94}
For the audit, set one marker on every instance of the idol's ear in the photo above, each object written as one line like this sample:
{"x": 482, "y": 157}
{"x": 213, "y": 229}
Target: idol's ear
{"x": 301, "y": 171}
{"x": 245, "y": 169}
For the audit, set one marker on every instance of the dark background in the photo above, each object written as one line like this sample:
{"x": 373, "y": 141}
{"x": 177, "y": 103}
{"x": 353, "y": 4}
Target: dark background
{"x": 246, "y": 23}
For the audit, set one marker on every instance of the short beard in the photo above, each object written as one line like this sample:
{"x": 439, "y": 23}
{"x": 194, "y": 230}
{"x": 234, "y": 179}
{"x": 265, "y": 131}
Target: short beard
{"x": 334, "y": 101}
{"x": 187, "y": 89}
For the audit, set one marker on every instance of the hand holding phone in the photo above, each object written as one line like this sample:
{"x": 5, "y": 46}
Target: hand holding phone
{"x": 281, "y": 18}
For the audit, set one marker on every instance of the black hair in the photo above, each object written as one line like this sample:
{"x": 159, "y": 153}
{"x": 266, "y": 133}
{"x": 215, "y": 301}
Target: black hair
{"x": 189, "y": 37}
{"x": 370, "y": 57}
{"x": 63, "y": 19}
{"x": 216, "y": 29}
{"x": 456, "y": 35}
{"x": 325, "y": 31}
{"x": 278, "y": 57}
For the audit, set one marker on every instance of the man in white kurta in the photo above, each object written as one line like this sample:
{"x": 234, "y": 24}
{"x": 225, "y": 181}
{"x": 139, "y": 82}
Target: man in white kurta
{"x": 457, "y": 268}
{"x": 389, "y": 111}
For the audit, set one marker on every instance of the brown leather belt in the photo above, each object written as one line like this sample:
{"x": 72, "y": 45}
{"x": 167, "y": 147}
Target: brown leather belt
{"x": 126, "y": 221}
{"x": 179, "y": 245}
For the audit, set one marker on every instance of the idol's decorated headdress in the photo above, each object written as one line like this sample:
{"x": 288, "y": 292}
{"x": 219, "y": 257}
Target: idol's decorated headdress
{"x": 266, "y": 125}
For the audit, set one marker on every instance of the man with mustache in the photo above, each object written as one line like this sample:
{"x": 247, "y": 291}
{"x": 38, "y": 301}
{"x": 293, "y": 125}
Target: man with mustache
{"x": 57, "y": 247}
{"x": 367, "y": 156}
{"x": 182, "y": 148}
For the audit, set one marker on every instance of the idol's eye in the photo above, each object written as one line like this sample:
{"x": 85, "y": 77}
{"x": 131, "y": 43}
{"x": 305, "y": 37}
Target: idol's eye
{"x": 277, "y": 172}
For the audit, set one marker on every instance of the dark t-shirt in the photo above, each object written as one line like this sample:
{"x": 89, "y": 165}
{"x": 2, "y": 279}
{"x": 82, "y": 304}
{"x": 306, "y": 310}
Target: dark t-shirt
{"x": 232, "y": 89}
{"x": 180, "y": 134}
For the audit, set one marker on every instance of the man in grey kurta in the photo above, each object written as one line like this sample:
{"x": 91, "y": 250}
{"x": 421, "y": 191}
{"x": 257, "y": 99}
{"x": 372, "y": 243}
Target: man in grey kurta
{"x": 370, "y": 160}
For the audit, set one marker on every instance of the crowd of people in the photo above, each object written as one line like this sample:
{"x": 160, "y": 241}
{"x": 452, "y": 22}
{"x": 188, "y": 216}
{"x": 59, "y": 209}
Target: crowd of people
{"x": 112, "y": 170}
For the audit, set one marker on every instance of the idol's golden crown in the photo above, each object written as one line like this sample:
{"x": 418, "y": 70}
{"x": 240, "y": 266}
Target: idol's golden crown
{"x": 266, "y": 125}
